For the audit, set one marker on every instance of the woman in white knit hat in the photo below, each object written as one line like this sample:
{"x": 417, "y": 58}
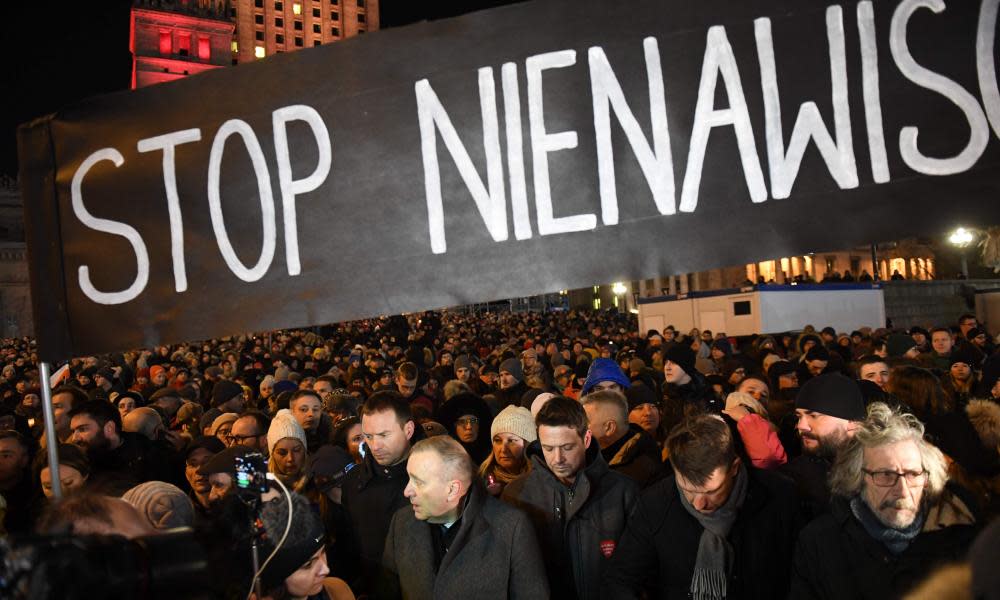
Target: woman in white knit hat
{"x": 513, "y": 429}
{"x": 286, "y": 445}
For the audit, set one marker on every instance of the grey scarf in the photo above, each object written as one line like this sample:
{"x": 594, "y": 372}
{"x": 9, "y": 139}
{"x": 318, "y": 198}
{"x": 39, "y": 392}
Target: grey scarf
{"x": 896, "y": 540}
{"x": 715, "y": 553}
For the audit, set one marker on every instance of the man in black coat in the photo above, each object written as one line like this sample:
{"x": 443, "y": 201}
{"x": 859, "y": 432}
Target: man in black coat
{"x": 372, "y": 493}
{"x": 829, "y": 410}
{"x": 715, "y": 529}
{"x": 892, "y": 521}
{"x": 511, "y": 384}
{"x": 625, "y": 446}
{"x": 577, "y": 505}
{"x": 457, "y": 541}
{"x": 119, "y": 460}
{"x": 685, "y": 390}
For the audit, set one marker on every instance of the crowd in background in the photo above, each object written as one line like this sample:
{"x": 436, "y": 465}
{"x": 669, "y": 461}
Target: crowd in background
{"x": 558, "y": 454}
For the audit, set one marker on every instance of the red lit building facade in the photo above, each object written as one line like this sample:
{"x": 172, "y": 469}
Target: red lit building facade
{"x": 171, "y": 39}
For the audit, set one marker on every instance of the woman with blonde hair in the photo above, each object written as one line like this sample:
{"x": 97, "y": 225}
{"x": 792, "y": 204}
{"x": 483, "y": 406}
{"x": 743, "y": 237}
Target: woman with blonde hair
{"x": 512, "y": 430}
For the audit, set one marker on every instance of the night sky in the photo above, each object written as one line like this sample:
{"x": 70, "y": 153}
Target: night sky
{"x": 64, "y": 52}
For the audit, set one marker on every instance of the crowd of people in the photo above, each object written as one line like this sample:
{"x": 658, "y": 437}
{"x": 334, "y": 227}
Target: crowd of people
{"x": 531, "y": 455}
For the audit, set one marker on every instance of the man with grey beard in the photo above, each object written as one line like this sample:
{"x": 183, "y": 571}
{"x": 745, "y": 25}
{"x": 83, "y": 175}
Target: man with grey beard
{"x": 893, "y": 518}
{"x": 829, "y": 408}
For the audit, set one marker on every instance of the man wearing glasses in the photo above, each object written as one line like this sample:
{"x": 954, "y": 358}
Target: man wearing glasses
{"x": 892, "y": 520}
{"x": 250, "y": 431}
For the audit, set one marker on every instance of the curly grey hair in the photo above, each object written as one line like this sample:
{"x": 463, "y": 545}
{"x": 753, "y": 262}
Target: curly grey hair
{"x": 885, "y": 426}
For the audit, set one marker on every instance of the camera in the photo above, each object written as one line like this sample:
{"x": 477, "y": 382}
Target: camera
{"x": 251, "y": 475}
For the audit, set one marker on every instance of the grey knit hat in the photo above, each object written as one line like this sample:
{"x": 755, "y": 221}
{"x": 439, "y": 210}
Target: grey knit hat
{"x": 516, "y": 420}
{"x": 513, "y": 366}
{"x": 164, "y": 505}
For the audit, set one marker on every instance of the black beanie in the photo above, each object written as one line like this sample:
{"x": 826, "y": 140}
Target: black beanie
{"x": 682, "y": 356}
{"x": 818, "y": 353}
{"x": 224, "y": 391}
{"x": 834, "y": 395}
{"x": 638, "y": 394}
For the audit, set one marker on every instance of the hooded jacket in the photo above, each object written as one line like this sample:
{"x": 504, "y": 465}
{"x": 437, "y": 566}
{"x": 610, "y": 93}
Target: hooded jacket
{"x": 637, "y": 456}
{"x": 578, "y": 527}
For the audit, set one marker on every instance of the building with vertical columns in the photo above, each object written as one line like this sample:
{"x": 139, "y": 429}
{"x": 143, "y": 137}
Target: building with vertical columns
{"x": 172, "y": 39}
{"x": 266, "y": 27}
{"x": 912, "y": 259}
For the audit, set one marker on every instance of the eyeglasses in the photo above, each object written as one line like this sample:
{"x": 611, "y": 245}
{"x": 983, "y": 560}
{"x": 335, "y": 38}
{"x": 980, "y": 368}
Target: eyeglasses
{"x": 239, "y": 439}
{"x": 889, "y": 478}
{"x": 468, "y": 421}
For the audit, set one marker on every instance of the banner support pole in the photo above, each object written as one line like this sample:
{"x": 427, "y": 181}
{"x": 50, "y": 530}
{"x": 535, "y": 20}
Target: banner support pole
{"x": 51, "y": 440}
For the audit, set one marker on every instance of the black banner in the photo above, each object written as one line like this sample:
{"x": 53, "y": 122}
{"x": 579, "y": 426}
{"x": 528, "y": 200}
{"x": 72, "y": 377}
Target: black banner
{"x": 530, "y": 148}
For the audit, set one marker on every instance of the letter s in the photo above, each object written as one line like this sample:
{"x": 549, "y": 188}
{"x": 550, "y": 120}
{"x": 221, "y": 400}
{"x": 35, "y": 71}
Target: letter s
{"x": 112, "y": 227}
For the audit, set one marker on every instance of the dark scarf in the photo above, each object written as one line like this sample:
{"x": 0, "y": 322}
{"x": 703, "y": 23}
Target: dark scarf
{"x": 896, "y": 540}
{"x": 715, "y": 553}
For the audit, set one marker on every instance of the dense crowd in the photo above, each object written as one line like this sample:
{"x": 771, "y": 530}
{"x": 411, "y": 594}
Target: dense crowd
{"x": 531, "y": 455}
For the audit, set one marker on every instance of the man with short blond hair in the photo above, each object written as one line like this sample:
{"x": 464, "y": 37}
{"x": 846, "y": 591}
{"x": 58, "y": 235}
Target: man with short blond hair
{"x": 625, "y": 446}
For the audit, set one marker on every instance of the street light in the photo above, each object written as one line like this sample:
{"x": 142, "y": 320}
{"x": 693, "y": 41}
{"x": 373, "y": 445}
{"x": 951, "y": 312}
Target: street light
{"x": 961, "y": 238}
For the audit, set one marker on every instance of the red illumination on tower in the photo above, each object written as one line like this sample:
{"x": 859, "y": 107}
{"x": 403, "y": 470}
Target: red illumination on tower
{"x": 173, "y": 39}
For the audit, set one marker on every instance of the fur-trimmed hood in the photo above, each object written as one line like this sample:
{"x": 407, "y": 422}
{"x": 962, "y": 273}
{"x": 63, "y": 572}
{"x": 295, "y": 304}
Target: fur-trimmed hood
{"x": 985, "y": 418}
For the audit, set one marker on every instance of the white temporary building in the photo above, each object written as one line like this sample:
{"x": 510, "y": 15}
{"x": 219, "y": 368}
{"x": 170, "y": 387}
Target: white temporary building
{"x": 767, "y": 309}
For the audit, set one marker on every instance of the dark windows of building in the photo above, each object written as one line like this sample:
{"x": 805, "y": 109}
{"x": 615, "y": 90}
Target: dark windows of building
{"x": 298, "y": 26}
{"x": 298, "y": 42}
{"x": 259, "y": 36}
{"x": 258, "y": 19}
{"x": 279, "y": 22}
{"x": 317, "y": 42}
{"x": 232, "y": 12}
{"x": 279, "y": 6}
{"x": 316, "y": 28}
{"x": 258, "y": 3}
{"x": 361, "y": 18}
{"x": 335, "y": 31}
{"x": 316, "y": 13}
{"x": 279, "y": 38}
{"x": 334, "y": 2}
{"x": 184, "y": 44}
{"x": 361, "y": 3}
{"x": 334, "y": 15}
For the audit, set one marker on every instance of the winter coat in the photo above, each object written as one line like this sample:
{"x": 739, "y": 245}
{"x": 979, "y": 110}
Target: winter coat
{"x": 371, "y": 494}
{"x": 578, "y": 528}
{"x": 810, "y": 474}
{"x": 511, "y": 395}
{"x": 494, "y": 555}
{"x": 637, "y": 456}
{"x": 836, "y": 558}
{"x": 657, "y": 552}
{"x": 694, "y": 397}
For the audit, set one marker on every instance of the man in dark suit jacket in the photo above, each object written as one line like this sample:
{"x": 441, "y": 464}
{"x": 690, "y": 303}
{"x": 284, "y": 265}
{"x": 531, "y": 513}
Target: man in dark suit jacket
{"x": 456, "y": 541}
